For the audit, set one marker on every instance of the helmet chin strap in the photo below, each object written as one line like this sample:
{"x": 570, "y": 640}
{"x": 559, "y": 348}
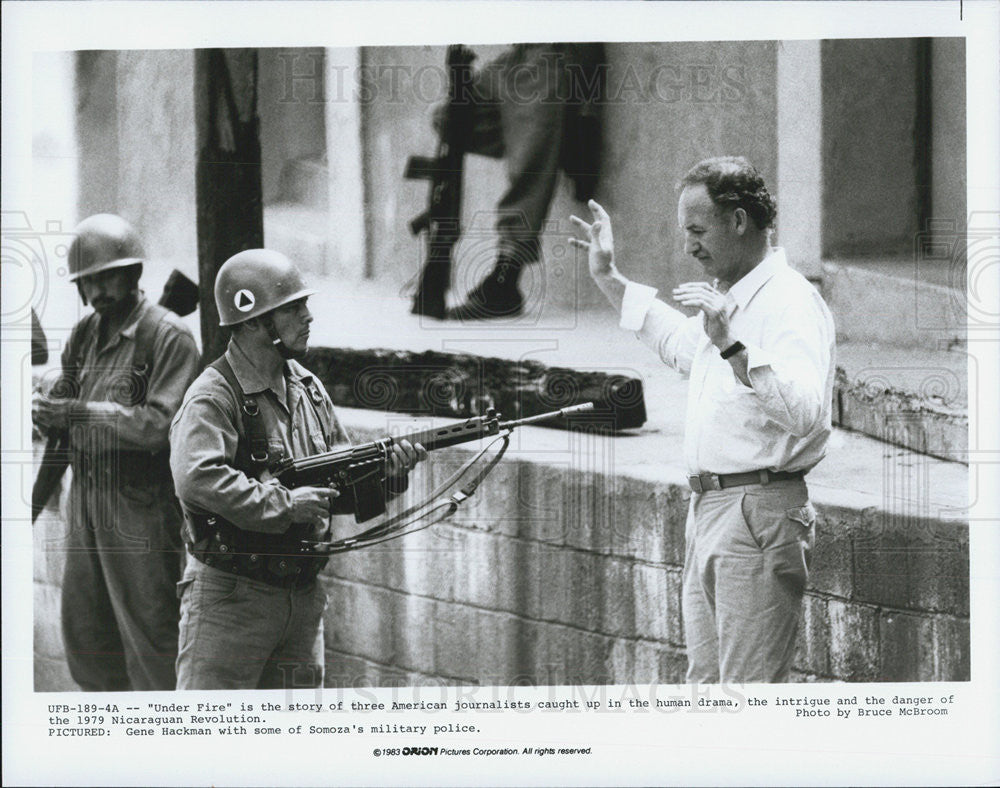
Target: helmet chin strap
{"x": 283, "y": 350}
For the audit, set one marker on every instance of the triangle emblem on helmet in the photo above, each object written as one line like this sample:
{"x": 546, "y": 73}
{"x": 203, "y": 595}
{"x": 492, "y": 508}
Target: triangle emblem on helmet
{"x": 244, "y": 300}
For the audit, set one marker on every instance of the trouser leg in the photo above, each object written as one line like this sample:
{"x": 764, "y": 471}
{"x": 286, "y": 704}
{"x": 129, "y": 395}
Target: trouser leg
{"x": 94, "y": 650}
{"x": 230, "y": 626}
{"x": 532, "y": 113}
{"x": 759, "y": 600}
{"x": 142, "y": 564}
{"x": 751, "y": 556}
{"x": 298, "y": 659}
{"x": 698, "y": 612}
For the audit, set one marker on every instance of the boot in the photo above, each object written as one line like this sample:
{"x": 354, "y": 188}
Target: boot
{"x": 496, "y": 296}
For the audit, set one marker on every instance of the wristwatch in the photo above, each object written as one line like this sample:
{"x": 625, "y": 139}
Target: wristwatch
{"x": 733, "y": 349}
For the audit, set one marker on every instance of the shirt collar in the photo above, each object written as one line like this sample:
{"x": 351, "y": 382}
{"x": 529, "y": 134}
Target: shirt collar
{"x": 252, "y": 380}
{"x": 746, "y": 288}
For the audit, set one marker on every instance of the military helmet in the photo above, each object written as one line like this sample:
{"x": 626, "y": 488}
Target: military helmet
{"x": 254, "y": 282}
{"x": 101, "y": 242}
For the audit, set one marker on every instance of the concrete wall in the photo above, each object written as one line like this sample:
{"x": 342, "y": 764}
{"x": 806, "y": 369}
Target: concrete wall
{"x": 135, "y": 125}
{"x": 565, "y": 569}
{"x": 948, "y": 132}
{"x": 869, "y": 124}
{"x": 559, "y": 575}
{"x": 669, "y": 105}
{"x": 291, "y": 106}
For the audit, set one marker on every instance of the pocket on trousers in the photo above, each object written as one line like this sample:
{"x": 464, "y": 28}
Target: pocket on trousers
{"x": 748, "y": 518}
{"x": 216, "y": 589}
{"x": 803, "y": 515}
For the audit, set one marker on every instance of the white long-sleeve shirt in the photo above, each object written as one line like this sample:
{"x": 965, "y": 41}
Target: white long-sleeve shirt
{"x": 782, "y": 421}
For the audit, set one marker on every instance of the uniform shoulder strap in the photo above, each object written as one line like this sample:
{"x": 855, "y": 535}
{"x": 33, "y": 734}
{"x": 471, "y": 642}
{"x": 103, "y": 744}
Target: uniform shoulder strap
{"x": 252, "y": 452}
{"x": 145, "y": 334}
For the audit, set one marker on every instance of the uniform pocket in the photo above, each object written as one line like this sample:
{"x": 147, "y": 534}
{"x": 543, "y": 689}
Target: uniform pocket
{"x": 143, "y": 496}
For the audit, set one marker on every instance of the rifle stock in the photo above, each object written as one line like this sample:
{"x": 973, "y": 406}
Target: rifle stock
{"x": 55, "y": 460}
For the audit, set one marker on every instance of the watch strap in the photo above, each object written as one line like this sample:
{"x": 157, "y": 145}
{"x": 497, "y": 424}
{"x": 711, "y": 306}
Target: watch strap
{"x": 733, "y": 349}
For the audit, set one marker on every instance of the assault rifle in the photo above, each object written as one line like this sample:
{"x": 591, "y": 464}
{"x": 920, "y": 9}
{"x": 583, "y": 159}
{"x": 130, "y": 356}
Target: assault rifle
{"x": 345, "y": 468}
{"x": 180, "y": 295}
{"x": 441, "y": 220}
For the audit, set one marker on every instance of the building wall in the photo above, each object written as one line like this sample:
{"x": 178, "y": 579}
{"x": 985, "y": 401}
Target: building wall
{"x": 870, "y": 200}
{"x": 948, "y": 141}
{"x": 292, "y": 126}
{"x": 560, "y": 571}
{"x": 135, "y": 126}
{"x": 675, "y": 102}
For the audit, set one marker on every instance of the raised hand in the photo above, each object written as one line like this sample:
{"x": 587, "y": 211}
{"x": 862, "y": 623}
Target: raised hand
{"x": 600, "y": 243}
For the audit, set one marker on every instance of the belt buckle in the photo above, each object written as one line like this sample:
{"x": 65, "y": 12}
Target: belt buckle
{"x": 704, "y": 482}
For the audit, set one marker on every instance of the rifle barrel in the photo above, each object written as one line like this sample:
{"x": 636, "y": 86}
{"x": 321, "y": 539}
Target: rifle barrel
{"x": 582, "y": 408}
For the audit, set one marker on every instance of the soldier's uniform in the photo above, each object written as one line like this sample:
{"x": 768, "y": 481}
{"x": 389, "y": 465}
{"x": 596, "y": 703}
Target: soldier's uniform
{"x": 251, "y": 606}
{"x": 119, "y": 604}
{"x": 219, "y": 648}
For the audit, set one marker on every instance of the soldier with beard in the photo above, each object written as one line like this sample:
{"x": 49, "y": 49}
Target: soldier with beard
{"x": 124, "y": 372}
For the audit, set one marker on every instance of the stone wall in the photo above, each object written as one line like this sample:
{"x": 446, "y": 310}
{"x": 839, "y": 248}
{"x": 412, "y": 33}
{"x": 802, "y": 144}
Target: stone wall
{"x": 558, "y": 575}
{"x": 679, "y": 102}
{"x": 565, "y": 569}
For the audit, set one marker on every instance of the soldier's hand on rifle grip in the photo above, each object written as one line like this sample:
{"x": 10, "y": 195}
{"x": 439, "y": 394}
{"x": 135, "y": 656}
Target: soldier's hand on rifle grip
{"x": 312, "y": 504}
{"x": 403, "y": 456}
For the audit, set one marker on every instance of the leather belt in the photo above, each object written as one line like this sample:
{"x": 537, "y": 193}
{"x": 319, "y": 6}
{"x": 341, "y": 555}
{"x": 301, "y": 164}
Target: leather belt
{"x": 221, "y": 545}
{"x": 281, "y": 571}
{"x": 704, "y": 482}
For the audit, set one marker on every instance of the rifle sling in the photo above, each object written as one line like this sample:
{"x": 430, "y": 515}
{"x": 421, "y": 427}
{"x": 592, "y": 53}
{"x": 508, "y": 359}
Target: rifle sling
{"x": 397, "y": 526}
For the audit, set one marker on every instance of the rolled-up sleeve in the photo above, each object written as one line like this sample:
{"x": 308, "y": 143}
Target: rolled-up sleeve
{"x": 789, "y": 376}
{"x": 145, "y": 427}
{"x": 203, "y": 441}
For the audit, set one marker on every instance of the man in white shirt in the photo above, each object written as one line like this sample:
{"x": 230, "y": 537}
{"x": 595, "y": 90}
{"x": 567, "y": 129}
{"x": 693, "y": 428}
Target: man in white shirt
{"x": 760, "y": 357}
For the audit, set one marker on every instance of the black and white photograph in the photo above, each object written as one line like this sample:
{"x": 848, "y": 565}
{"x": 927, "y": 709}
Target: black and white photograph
{"x": 382, "y": 381}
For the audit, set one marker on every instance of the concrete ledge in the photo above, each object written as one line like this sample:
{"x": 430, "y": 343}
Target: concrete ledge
{"x": 901, "y": 418}
{"x": 565, "y": 569}
{"x": 554, "y": 575}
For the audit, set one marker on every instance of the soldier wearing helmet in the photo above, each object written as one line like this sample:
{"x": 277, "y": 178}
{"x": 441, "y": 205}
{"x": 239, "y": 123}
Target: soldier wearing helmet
{"x": 251, "y": 605}
{"x": 124, "y": 372}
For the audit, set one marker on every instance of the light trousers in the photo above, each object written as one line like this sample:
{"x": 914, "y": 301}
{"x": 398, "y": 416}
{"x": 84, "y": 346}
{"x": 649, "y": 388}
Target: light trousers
{"x": 745, "y": 573}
